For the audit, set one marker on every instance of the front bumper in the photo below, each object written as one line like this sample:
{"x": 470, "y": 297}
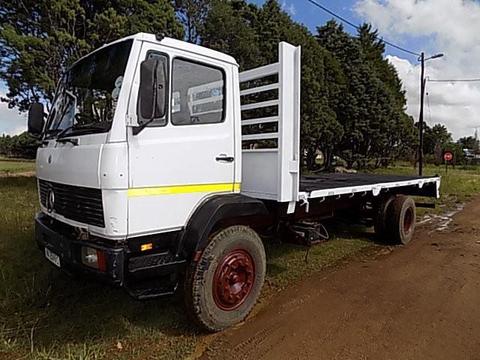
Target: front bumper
{"x": 49, "y": 234}
{"x": 143, "y": 275}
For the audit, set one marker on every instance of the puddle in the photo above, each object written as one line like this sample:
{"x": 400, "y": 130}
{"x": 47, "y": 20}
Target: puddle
{"x": 441, "y": 222}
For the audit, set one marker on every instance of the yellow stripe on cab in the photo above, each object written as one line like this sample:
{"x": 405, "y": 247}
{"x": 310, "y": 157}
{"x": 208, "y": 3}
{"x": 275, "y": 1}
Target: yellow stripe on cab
{"x": 183, "y": 189}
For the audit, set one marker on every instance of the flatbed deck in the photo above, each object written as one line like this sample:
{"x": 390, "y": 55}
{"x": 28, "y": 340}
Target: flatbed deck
{"x": 334, "y": 184}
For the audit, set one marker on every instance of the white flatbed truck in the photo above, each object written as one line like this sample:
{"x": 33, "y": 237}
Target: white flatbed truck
{"x": 150, "y": 175}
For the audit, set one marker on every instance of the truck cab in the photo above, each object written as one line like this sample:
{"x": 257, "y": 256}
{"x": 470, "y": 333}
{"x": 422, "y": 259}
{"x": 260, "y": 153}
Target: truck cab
{"x": 111, "y": 140}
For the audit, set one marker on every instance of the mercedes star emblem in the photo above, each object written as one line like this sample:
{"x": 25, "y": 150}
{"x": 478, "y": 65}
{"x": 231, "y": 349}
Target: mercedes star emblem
{"x": 50, "y": 200}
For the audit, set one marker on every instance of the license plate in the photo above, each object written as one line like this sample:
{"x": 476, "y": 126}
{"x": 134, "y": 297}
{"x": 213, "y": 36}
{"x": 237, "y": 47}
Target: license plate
{"x": 52, "y": 257}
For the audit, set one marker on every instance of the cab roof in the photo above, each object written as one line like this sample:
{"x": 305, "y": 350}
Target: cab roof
{"x": 180, "y": 45}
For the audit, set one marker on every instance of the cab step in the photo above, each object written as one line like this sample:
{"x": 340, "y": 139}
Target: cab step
{"x": 154, "y": 264}
{"x": 151, "y": 289}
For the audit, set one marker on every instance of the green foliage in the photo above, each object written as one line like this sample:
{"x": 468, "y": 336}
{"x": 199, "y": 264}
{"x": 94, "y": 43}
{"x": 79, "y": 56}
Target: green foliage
{"x": 192, "y": 14}
{"x": 437, "y": 135}
{"x": 229, "y": 28}
{"x": 251, "y": 34}
{"x": 458, "y": 183}
{"x": 371, "y": 108}
{"x": 469, "y": 142}
{"x": 321, "y": 80}
{"x": 19, "y": 146}
{"x": 39, "y": 39}
{"x": 353, "y": 105}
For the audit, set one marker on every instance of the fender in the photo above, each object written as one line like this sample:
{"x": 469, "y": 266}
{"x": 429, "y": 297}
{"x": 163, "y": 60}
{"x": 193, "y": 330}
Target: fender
{"x": 210, "y": 212}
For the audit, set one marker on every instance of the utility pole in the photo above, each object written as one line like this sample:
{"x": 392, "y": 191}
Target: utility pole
{"x": 423, "y": 83}
{"x": 420, "y": 118}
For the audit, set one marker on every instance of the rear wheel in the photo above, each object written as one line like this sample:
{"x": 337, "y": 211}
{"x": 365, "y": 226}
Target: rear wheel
{"x": 402, "y": 219}
{"x": 223, "y": 286}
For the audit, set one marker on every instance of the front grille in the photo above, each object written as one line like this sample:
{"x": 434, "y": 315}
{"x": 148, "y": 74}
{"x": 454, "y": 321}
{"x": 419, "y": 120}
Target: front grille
{"x": 77, "y": 203}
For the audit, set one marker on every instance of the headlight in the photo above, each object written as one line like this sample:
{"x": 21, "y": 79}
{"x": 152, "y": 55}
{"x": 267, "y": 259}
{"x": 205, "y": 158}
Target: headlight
{"x": 94, "y": 258}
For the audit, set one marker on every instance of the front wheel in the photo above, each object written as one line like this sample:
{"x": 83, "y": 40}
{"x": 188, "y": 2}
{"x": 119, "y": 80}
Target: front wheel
{"x": 223, "y": 286}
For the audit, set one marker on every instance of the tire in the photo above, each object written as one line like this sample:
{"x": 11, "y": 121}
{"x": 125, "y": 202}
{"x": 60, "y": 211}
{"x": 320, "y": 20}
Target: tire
{"x": 402, "y": 219}
{"x": 223, "y": 286}
{"x": 381, "y": 216}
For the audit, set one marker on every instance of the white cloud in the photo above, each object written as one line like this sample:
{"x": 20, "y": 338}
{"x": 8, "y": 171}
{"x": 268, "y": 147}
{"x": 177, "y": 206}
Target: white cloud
{"x": 289, "y": 8}
{"x": 11, "y": 122}
{"x": 447, "y": 26}
{"x": 18, "y": 130}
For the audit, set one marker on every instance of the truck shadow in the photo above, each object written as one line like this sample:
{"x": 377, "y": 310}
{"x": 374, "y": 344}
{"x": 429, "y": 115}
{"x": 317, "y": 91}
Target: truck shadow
{"x": 58, "y": 310}
{"x": 64, "y": 311}
{"x": 289, "y": 261}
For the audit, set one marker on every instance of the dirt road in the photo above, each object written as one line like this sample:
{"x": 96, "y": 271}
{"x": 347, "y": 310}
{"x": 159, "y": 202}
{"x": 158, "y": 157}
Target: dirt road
{"x": 417, "y": 302}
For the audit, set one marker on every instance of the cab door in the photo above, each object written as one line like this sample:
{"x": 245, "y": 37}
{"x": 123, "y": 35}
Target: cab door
{"x": 178, "y": 160}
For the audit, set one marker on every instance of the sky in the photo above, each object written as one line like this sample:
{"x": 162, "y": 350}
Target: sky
{"x": 450, "y": 27}
{"x": 433, "y": 26}
{"x": 11, "y": 121}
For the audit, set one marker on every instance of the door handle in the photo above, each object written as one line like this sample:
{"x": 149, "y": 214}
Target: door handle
{"x": 225, "y": 158}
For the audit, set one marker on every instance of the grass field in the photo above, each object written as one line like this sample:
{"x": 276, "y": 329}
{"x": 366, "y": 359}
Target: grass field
{"x": 14, "y": 166}
{"x": 457, "y": 185}
{"x": 46, "y": 315}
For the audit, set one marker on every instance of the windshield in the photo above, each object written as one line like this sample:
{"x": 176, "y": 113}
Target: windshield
{"x": 87, "y": 94}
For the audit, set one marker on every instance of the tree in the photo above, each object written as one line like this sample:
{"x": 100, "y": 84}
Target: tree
{"x": 438, "y": 134}
{"x": 352, "y": 100}
{"x": 353, "y": 104}
{"x": 371, "y": 110}
{"x": 40, "y": 39}
{"x": 241, "y": 30}
{"x": 469, "y": 142}
{"x": 229, "y": 28}
{"x": 321, "y": 81}
{"x": 192, "y": 14}
{"x": 20, "y": 146}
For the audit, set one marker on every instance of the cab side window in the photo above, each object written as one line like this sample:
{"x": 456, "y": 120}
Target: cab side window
{"x": 198, "y": 93}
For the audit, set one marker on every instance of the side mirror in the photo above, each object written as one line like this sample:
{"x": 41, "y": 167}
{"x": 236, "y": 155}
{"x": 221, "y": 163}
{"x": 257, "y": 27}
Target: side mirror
{"x": 35, "y": 119}
{"x": 151, "y": 98}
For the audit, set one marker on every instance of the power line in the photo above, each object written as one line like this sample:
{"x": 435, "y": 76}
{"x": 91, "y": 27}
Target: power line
{"x": 333, "y": 14}
{"x": 358, "y": 27}
{"x": 455, "y": 80}
{"x": 429, "y": 109}
{"x": 400, "y": 48}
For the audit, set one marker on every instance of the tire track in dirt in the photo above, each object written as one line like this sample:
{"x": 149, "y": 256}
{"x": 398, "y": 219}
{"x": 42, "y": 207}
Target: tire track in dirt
{"x": 417, "y": 302}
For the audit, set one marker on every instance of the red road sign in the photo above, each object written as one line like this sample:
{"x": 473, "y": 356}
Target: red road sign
{"x": 448, "y": 156}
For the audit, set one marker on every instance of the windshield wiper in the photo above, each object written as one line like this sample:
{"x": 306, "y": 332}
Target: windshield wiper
{"x": 62, "y": 139}
{"x": 75, "y": 129}
{"x": 51, "y": 132}
{"x": 68, "y": 140}
{"x": 62, "y": 132}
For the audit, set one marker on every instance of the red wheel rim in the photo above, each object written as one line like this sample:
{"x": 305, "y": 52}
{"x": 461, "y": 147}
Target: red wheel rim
{"x": 408, "y": 220}
{"x": 233, "y": 280}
